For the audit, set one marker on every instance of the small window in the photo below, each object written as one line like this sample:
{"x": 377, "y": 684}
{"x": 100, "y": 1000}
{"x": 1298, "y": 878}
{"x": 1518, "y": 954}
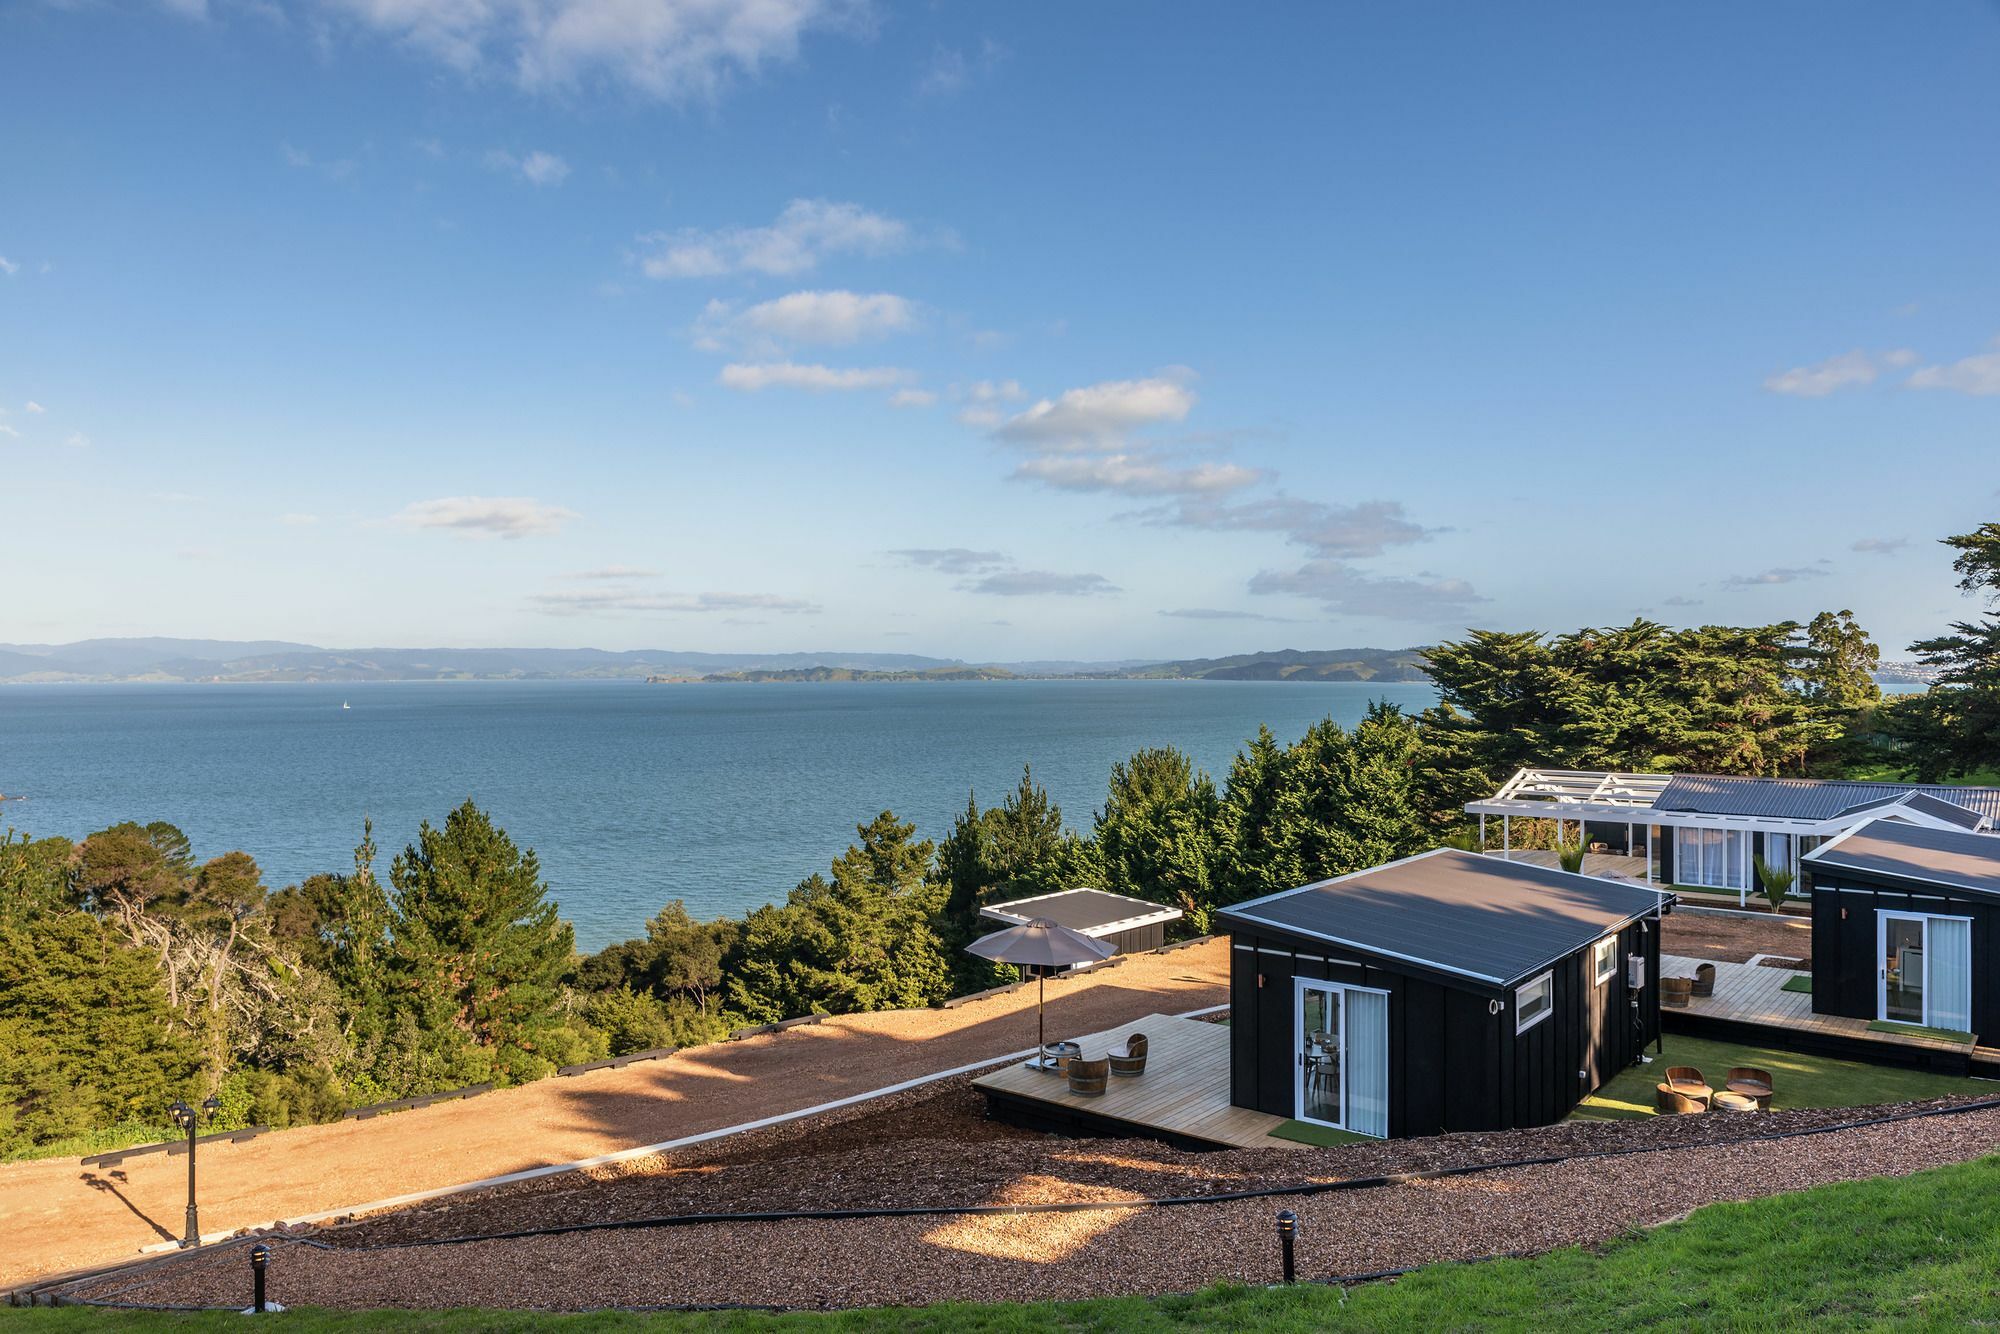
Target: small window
{"x": 1604, "y": 959}
{"x": 1533, "y": 1002}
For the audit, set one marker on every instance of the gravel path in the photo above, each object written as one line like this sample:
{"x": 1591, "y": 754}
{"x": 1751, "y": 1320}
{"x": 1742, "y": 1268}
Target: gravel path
{"x": 56, "y": 1215}
{"x": 916, "y": 1260}
{"x": 1734, "y": 939}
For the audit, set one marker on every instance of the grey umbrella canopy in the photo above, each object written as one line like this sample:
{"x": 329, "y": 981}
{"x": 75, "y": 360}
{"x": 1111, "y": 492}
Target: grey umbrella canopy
{"x": 1040, "y": 945}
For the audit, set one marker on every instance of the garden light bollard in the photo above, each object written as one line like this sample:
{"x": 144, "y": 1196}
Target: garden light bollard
{"x": 260, "y": 1256}
{"x": 1288, "y": 1231}
{"x": 260, "y": 1259}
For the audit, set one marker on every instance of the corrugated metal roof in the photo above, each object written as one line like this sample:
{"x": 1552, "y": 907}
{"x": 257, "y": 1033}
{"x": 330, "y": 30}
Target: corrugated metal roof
{"x": 1807, "y": 798}
{"x": 1084, "y": 910}
{"x": 1459, "y": 912}
{"x": 1910, "y": 852}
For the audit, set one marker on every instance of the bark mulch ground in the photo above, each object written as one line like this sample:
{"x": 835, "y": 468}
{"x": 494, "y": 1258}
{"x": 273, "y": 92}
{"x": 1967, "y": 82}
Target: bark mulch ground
{"x": 1735, "y": 939}
{"x": 1684, "y": 1163}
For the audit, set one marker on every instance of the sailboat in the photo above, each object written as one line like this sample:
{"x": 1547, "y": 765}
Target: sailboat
{"x": 345, "y": 705}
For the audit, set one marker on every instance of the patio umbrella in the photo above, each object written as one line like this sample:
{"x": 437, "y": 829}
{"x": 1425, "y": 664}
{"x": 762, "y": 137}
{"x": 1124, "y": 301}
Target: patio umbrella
{"x": 1042, "y": 946}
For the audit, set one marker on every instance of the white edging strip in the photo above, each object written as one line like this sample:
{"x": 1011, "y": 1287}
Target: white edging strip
{"x": 623, "y": 1155}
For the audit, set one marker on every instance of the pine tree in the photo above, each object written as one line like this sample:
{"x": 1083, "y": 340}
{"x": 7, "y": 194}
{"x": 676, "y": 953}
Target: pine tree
{"x": 1953, "y": 729}
{"x": 475, "y": 941}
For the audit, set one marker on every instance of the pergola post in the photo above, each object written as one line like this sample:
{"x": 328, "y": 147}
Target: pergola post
{"x": 1482, "y": 831}
{"x": 1507, "y": 837}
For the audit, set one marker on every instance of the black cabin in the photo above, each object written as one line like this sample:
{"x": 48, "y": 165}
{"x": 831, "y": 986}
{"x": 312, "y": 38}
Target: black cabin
{"x": 1906, "y": 924}
{"x": 1445, "y": 992}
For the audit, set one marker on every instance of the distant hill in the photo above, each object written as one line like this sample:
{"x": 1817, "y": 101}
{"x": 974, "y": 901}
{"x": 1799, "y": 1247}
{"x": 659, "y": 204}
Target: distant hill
{"x": 1340, "y": 664}
{"x": 212, "y": 660}
{"x": 848, "y": 674}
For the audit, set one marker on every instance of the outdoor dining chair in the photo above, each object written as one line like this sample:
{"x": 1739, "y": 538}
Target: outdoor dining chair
{"x": 1130, "y": 1060}
{"x": 1689, "y": 1083}
{"x": 1751, "y": 1082}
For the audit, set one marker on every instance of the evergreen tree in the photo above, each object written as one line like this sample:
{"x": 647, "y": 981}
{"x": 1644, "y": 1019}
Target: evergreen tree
{"x": 862, "y": 940}
{"x": 37, "y": 877}
{"x": 1160, "y": 833}
{"x": 1953, "y": 729}
{"x": 475, "y": 941}
{"x": 86, "y": 1034}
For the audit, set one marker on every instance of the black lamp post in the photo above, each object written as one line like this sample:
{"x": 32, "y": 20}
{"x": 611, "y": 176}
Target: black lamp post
{"x": 190, "y": 1120}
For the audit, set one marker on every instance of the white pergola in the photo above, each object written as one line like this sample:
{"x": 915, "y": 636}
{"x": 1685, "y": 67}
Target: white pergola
{"x": 1622, "y": 798}
{"x": 1573, "y": 794}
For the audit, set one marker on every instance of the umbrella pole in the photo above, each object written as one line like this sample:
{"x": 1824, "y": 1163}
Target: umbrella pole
{"x": 1041, "y": 1000}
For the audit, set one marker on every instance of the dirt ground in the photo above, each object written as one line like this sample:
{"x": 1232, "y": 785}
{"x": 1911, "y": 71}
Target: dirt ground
{"x": 1701, "y": 935}
{"x": 56, "y": 1215}
{"x": 914, "y": 1260}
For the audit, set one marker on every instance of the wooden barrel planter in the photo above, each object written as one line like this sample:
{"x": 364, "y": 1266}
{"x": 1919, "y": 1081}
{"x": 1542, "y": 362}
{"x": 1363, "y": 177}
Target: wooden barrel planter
{"x": 1087, "y": 1078}
{"x": 1675, "y": 991}
{"x": 1704, "y": 980}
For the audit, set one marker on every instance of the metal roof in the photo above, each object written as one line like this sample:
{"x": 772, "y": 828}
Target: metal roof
{"x": 1808, "y": 798}
{"x": 1092, "y": 911}
{"x": 1456, "y": 912}
{"x": 1906, "y": 852}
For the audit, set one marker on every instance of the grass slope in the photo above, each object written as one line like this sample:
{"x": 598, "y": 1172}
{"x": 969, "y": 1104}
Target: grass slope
{"x": 1801, "y": 1081}
{"x": 1915, "y": 1252}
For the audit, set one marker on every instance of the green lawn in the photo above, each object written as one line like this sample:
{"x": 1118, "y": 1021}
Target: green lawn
{"x": 1801, "y": 1081}
{"x": 1915, "y": 1252}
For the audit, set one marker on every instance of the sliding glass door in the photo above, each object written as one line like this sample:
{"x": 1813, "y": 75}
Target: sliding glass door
{"x": 1718, "y": 858}
{"x": 1342, "y": 1042}
{"x": 1926, "y": 972}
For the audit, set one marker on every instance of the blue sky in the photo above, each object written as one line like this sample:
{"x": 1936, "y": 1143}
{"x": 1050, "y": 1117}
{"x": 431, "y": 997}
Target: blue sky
{"x": 989, "y": 331}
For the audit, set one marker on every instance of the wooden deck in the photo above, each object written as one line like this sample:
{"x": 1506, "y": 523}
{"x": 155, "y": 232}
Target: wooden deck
{"x": 1182, "y": 1097}
{"x": 1754, "y": 995}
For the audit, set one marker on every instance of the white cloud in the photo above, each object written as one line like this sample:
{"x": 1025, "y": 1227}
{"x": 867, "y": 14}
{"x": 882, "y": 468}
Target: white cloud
{"x": 753, "y": 377}
{"x": 806, "y": 232}
{"x": 830, "y": 317}
{"x": 7, "y": 430}
{"x": 994, "y": 391}
{"x": 1782, "y": 574}
{"x": 953, "y": 560}
{"x": 572, "y": 602}
{"x": 1098, "y": 413}
{"x": 668, "y": 49}
{"x": 35, "y": 407}
{"x": 1337, "y": 532}
{"x": 486, "y": 516}
{"x": 1900, "y": 357}
{"x": 912, "y": 398}
{"x": 1880, "y": 546}
{"x": 1225, "y": 614}
{"x": 1978, "y": 374}
{"x": 8, "y": 266}
{"x": 535, "y": 167}
{"x": 613, "y": 572}
{"x": 1825, "y": 377}
{"x": 1134, "y": 476}
{"x": 1342, "y": 589}
{"x": 1677, "y": 600}
{"x": 1040, "y": 583}
{"x": 951, "y": 70}
{"x": 187, "y": 9}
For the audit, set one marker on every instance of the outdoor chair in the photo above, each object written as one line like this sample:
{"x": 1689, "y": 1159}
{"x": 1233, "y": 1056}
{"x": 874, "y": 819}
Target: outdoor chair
{"x": 1688, "y": 1082}
{"x": 1677, "y": 1104}
{"x": 1751, "y": 1082}
{"x": 1704, "y": 980}
{"x": 1087, "y": 1078}
{"x": 1132, "y": 1059}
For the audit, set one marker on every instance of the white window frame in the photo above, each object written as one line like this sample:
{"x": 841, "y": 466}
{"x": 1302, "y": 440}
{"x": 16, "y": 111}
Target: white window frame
{"x": 1604, "y": 960}
{"x": 1300, "y": 985}
{"x": 1547, "y": 984}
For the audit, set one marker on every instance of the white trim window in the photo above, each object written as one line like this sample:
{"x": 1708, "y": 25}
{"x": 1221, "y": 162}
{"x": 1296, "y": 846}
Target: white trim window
{"x": 1534, "y": 1001}
{"x": 1713, "y": 858}
{"x": 1604, "y": 960}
